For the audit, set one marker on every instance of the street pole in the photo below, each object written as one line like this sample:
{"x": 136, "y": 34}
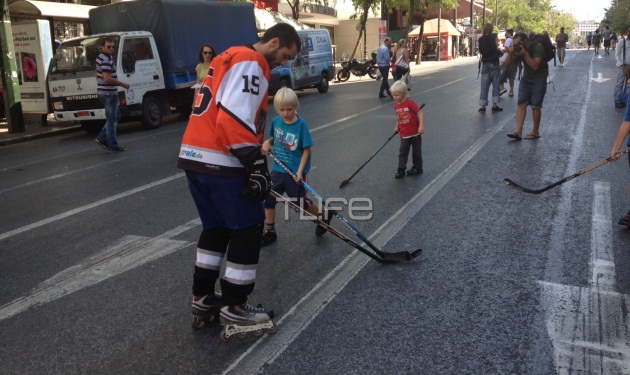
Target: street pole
{"x": 484, "y": 14}
{"x": 8, "y": 71}
{"x": 472, "y": 46}
{"x": 439, "y": 40}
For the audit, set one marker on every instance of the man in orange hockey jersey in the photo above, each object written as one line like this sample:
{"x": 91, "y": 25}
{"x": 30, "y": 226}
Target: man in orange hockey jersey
{"x": 228, "y": 176}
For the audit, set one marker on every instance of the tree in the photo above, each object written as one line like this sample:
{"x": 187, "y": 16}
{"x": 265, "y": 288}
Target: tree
{"x": 295, "y": 8}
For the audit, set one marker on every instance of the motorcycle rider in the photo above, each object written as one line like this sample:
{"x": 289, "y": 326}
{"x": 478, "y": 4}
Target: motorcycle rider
{"x": 383, "y": 59}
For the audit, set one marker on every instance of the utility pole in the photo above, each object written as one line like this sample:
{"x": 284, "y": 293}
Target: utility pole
{"x": 437, "y": 55}
{"x": 8, "y": 71}
{"x": 483, "y": 24}
{"x": 472, "y": 26}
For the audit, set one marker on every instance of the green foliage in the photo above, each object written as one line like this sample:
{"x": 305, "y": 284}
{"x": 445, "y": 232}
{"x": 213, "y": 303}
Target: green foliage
{"x": 618, "y": 16}
{"x": 534, "y": 16}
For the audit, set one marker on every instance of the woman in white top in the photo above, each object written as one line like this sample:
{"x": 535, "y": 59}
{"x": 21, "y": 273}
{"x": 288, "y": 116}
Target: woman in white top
{"x": 402, "y": 59}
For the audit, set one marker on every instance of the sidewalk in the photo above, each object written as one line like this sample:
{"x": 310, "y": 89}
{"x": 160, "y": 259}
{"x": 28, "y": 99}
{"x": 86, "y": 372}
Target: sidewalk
{"x": 36, "y": 131}
{"x": 54, "y": 127}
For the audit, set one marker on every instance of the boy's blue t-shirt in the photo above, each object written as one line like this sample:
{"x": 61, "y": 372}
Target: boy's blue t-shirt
{"x": 289, "y": 142}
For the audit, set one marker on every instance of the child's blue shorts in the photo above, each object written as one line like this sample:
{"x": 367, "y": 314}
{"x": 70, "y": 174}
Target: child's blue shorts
{"x": 283, "y": 183}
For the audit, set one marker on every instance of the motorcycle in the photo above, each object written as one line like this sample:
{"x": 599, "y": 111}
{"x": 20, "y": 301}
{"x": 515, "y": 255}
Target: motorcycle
{"x": 358, "y": 69}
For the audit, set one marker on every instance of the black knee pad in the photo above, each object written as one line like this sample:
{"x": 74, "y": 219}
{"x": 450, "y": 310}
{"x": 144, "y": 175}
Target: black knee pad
{"x": 244, "y": 246}
{"x": 215, "y": 239}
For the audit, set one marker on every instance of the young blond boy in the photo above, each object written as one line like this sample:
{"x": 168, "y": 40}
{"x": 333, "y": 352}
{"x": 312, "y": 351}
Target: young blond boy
{"x": 410, "y": 126}
{"x": 291, "y": 141}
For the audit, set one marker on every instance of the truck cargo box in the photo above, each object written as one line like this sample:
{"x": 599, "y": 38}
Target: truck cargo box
{"x": 180, "y": 27}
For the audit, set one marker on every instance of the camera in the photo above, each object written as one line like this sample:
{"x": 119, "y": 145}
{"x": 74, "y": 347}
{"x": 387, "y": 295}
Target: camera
{"x": 518, "y": 48}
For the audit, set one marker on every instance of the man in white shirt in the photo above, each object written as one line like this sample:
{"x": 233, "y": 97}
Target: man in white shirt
{"x": 508, "y": 72}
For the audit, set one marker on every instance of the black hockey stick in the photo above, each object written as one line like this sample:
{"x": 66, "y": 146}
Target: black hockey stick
{"x": 332, "y": 230}
{"x": 400, "y": 256}
{"x": 347, "y": 181}
{"x": 516, "y": 186}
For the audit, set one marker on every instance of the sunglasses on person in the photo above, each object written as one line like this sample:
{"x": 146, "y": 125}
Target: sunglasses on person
{"x": 108, "y": 47}
{"x": 208, "y": 52}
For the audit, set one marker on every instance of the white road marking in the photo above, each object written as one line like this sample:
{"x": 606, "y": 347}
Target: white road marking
{"x": 60, "y": 175}
{"x": 587, "y": 325}
{"x": 130, "y": 252}
{"x": 295, "y": 321}
{"x": 77, "y": 210}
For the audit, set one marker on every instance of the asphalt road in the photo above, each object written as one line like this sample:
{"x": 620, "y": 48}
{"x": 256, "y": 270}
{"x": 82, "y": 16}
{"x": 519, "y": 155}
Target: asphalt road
{"x": 97, "y": 249}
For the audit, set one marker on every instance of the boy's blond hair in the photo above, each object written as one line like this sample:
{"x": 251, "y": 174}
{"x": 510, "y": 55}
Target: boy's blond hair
{"x": 399, "y": 87}
{"x": 285, "y": 96}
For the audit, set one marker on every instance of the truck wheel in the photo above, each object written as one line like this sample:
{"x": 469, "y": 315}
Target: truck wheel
{"x": 93, "y": 127}
{"x": 343, "y": 75}
{"x": 151, "y": 113}
{"x": 373, "y": 71}
{"x": 285, "y": 82}
{"x": 322, "y": 87}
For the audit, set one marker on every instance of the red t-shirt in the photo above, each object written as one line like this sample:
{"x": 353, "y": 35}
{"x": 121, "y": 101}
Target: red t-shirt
{"x": 407, "y": 114}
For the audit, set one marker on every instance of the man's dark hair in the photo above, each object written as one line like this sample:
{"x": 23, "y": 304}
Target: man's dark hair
{"x": 106, "y": 40}
{"x": 285, "y": 32}
{"x": 511, "y": 31}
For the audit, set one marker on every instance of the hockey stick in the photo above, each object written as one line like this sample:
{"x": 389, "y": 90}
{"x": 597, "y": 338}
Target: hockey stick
{"x": 332, "y": 230}
{"x": 347, "y": 181}
{"x": 392, "y": 257}
{"x": 516, "y": 186}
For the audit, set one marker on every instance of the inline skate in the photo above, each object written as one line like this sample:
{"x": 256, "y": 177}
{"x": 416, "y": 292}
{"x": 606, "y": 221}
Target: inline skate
{"x": 206, "y": 309}
{"x": 245, "y": 319}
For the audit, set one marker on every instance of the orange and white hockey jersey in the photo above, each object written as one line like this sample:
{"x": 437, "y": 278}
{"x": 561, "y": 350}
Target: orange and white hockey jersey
{"x": 228, "y": 121}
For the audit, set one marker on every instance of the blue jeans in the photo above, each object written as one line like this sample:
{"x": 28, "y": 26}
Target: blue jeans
{"x": 112, "y": 113}
{"x": 490, "y": 74}
{"x": 621, "y": 93}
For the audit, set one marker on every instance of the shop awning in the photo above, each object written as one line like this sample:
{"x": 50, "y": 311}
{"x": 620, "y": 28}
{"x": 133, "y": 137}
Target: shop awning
{"x": 431, "y": 28}
{"x": 267, "y": 18}
{"x": 44, "y": 9}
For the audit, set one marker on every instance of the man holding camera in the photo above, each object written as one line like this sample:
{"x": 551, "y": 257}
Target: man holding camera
{"x": 533, "y": 86}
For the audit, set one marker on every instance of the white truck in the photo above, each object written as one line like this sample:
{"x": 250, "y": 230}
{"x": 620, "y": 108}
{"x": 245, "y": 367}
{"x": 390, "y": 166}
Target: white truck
{"x": 157, "y": 49}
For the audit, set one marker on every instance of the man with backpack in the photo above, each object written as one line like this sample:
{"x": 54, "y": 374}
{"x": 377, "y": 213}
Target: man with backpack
{"x": 535, "y": 52}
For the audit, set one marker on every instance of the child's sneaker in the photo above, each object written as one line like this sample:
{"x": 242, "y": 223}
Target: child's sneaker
{"x": 400, "y": 173}
{"x": 625, "y": 220}
{"x": 414, "y": 171}
{"x": 268, "y": 238}
{"x": 320, "y": 231}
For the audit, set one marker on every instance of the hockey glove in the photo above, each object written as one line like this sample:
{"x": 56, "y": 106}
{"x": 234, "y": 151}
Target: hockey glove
{"x": 259, "y": 184}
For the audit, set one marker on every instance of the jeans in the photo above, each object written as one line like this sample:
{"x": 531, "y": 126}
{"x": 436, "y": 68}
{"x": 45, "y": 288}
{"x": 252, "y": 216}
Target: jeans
{"x": 532, "y": 91}
{"x": 490, "y": 74}
{"x": 621, "y": 93}
{"x": 112, "y": 113}
{"x": 384, "y": 82}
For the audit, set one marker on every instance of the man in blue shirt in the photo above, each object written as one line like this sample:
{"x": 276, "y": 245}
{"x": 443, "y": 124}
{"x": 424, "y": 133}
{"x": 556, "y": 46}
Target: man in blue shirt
{"x": 107, "y": 90}
{"x": 383, "y": 59}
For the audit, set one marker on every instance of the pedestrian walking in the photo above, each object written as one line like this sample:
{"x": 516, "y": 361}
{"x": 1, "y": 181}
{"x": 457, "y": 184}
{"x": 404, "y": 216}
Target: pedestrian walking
{"x": 490, "y": 71}
{"x": 383, "y": 59}
{"x": 606, "y": 35}
{"x": 402, "y": 59}
{"x": 561, "y": 46}
{"x": 622, "y": 135}
{"x": 508, "y": 73}
{"x": 107, "y": 90}
{"x": 596, "y": 40}
{"x": 410, "y": 126}
{"x": 228, "y": 178}
{"x": 533, "y": 85}
{"x": 622, "y": 59}
{"x": 589, "y": 40}
{"x": 292, "y": 144}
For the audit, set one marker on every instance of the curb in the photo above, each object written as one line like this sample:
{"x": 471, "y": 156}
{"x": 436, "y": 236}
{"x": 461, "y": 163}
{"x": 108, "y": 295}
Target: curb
{"x": 21, "y": 138}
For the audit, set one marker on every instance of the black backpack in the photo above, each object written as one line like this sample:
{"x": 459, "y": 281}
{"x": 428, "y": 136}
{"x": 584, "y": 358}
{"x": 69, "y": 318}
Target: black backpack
{"x": 550, "y": 50}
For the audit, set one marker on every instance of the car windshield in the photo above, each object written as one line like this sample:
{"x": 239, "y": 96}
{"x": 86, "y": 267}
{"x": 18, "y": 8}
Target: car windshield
{"x": 78, "y": 54}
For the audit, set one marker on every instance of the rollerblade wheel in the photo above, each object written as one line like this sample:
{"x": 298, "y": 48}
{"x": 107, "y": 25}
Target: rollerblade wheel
{"x": 196, "y": 322}
{"x": 223, "y": 337}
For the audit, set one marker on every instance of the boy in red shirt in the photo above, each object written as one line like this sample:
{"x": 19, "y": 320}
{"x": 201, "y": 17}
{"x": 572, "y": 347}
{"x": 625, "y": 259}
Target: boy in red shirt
{"x": 410, "y": 126}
